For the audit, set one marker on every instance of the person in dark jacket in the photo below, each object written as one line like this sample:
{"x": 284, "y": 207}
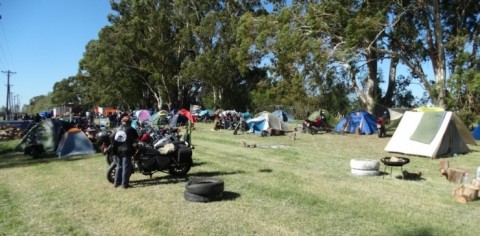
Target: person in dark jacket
{"x": 124, "y": 149}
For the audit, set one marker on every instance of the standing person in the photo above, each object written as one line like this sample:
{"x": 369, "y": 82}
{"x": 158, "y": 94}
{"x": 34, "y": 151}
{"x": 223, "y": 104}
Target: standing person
{"x": 124, "y": 143}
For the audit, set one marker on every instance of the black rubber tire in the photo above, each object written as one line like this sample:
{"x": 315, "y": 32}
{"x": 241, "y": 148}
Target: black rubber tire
{"x": 205, "y": 186}
{"x": 109, "y": 158}
{"x": 112, "y": 169}
{"x": 202, "y": 198}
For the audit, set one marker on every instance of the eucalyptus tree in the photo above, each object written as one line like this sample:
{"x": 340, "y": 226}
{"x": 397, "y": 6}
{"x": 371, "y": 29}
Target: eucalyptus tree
{"x": 212, "y": 40}
{"x": 137, "y": 59}
{"x": 430, "y": 32}
{"x": 68, "y": 90}
{"x": 463, "y": 51}
{"x": 305, "y": 42}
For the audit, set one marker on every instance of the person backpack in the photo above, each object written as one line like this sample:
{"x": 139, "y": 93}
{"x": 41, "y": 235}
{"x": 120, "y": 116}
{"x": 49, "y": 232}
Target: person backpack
{"x": 120, "y": 142}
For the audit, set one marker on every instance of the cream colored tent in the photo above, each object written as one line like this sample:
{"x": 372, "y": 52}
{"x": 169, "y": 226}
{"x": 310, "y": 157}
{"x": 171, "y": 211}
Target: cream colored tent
{"x": 430, "y": 134}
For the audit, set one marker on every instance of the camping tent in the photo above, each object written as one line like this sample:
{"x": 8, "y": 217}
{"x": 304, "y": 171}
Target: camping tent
{"x": 361, "y": 120}
{"x": 181, "y": 118}
{"x": 266, "y": 121}
{"x": 74, "y": 142}
{"x": 283, "y": 115}
{"x": 430, "y": 134}
{"x": 47, "y": 133}
{"x": 142, "y": 115}
{"x": 476, "y": 133}
{"x": 159, "y": 118}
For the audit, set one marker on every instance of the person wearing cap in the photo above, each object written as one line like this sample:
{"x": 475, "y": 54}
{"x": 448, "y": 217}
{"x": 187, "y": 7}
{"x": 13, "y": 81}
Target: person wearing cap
{"x": 124, "y": 152}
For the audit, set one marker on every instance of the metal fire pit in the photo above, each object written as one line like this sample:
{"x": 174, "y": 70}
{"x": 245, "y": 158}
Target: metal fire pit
{"x": 400, "y": 163}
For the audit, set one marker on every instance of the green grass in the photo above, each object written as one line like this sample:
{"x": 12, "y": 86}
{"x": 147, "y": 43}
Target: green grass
{"x": 301, "y": 188}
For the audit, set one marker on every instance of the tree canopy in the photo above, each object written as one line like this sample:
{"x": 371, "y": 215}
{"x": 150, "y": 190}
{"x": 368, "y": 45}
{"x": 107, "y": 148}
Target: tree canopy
{"x": 254, "y": 55}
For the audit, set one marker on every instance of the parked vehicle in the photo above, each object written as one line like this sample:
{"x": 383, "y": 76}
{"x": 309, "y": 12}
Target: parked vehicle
{"x": 173, "y": 158}
{"x": 318, "y": 125}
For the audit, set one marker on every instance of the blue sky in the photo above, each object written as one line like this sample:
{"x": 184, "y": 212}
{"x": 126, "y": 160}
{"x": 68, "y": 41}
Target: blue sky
{"x": 43, "y": 41}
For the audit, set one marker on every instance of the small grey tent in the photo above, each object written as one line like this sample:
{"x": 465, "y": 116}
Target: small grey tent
{"x": 431, "y": 134}
{"x": 74, "y": 142}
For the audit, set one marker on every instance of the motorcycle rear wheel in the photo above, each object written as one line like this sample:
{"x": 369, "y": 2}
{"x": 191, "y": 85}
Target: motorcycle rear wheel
{"x": 180, "y": 170}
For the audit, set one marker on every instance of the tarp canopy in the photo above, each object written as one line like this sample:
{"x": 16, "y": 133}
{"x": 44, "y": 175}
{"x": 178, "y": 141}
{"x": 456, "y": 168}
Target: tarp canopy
{"x": 206, "y": 113}
{"x": 264, "y": 122}
{"x": 74, "y": 142}
{"x": 362, "y": 121}
{"x": 396, "y": 113}
{"x": 430, "y": 134}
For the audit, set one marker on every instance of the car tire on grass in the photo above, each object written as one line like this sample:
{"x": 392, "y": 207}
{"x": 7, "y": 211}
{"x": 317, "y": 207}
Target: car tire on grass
{"x": 364, "y": 164}
{"x": 365, "y": 172}
{"x": 205, "y": 186}
{"x": 202, "y": 198}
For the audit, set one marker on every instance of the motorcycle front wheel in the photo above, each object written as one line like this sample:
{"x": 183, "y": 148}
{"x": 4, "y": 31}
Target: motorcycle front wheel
{"x": 109, "y": 158}
{"x": 112, "y": 169}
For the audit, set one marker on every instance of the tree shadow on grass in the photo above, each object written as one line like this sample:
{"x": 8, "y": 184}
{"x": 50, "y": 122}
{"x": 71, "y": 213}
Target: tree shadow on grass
{"x": 18, "y": 159}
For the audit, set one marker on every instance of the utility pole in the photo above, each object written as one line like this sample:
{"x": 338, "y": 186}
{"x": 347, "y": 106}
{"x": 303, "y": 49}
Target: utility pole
{"x": 7, "y": 111}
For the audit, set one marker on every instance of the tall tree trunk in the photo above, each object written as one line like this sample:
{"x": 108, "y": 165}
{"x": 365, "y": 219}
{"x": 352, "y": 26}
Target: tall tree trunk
{"x": 372, "y": 81}
{"x": 392, "y": 82}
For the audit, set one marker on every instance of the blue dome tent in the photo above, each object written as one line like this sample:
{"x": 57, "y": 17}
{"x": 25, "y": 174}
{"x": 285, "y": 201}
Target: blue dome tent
{"x": 361, "y": 120}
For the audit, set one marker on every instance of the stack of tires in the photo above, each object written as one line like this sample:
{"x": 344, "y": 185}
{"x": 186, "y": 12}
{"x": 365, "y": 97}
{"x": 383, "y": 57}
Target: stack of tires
{"x": 365, "y": 167}
{"x": 204, "y": 190}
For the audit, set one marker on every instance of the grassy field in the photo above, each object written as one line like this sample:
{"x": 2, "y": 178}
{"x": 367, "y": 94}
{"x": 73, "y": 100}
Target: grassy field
{"x": 282, "y": 187}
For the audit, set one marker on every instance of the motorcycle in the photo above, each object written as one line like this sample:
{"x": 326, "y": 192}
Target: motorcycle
{"x": 103, "y": 143}
{"x": 155, "y": 138}
{"x": 175, "y": 159}
{"x": 240, "y": 126}
{"x": 33, "y": 148}
{"x": 317, "y": 125}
